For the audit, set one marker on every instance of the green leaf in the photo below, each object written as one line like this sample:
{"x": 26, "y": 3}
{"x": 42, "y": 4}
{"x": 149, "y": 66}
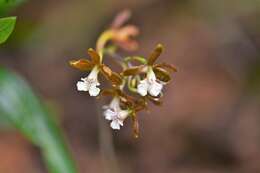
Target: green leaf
{"x": 24, "y": 111}
{"x": 6, "y": 27}
{"x": 7, "y": 5}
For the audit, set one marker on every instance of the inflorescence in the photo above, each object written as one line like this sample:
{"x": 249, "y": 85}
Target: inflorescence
{"x": 135, "y": 85}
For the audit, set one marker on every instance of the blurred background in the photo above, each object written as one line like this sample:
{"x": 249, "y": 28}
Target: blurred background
{"x": 209, "y": 122}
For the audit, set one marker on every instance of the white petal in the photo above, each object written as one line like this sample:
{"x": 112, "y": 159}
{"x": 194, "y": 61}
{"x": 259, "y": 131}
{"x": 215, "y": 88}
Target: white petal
{"x": 123, "y": 114}
{"x": 82, "y": 86}
{"x": 143, "y": 87}
{"x": 155, "y": 89}
{"x": 93, "y": 91}
{"x": 94, "y": 73}
{"x": 115, "y": 104}
{"x": 105, "y": 107}
{"x": 151, "y": 77}
{"x": 115, "y": 125}
{"x": 120, "y": 122}
{"x": 109, "y": 114}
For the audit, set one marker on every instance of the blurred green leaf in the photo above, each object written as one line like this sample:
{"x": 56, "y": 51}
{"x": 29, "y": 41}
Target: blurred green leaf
{"x": 7, "y": 5}
{"x": 22, "y": 109}
{"x": 6, "y": 27}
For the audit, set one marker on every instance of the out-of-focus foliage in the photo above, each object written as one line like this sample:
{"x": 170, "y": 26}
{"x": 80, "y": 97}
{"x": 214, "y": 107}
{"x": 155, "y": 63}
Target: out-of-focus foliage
{"x": 7, "y": 5}
{"x": 22, "y": 109}
{"x": 6, "y": 27}
{"x": 7, "y": 24}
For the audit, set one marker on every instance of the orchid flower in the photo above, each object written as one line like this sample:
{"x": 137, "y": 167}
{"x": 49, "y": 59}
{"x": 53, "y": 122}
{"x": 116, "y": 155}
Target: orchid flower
{"x": 150, "y": 85}
{"x": 91, "y": 82}
{"x": 115, "y": 114}
{"x": 120, "y": 34}
{"x": 156, "y": 74}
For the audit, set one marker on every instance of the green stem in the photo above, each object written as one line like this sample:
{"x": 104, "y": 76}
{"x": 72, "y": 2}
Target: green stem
{"x": 129, "y": 85}
{"x": 103, "y": 39}
{"x": 140, "y": 59}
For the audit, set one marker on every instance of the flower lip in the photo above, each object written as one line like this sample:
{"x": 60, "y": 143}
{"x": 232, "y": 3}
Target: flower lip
{"x": 115, "y": 114}
{"x": 90, "y": 83}
{"x": 150, "y": 85}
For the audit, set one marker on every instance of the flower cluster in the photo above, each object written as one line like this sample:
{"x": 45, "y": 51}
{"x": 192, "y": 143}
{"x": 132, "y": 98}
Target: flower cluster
{"x": 133, "y": 87}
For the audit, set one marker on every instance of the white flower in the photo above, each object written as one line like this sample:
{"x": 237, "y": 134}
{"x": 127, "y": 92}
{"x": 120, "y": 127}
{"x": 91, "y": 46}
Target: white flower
{"x": 90, "y": 83}
{"x": 114, "y": 113}
{"x": 150, "y": 85}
